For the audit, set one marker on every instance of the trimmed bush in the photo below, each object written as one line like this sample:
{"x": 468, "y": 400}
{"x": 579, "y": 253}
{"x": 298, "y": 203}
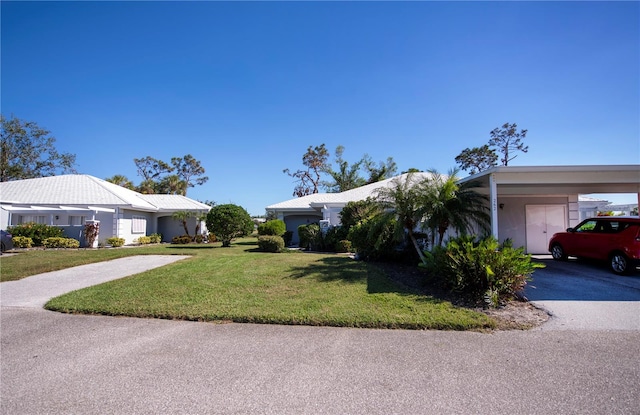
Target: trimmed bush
{"x": 38, "y": 232}
{"x": 115, "y": 242}
{"x": 374, "y": 239}
{"x": 482, "y": 270}
{"x": 61, "y": 243}
{"x": 198, "y": 239}
{"x": 272, "y": 227}
{"x": 271, "y": 243}
{"x": 343, "y": 246}
{"x": 22, "y": 242}
{"x": 144, "y": 240}
{"x": 155, "y": 238}
{"x": 184, "y": 239}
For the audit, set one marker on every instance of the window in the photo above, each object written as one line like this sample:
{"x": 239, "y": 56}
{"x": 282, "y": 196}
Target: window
{"x": 32, "y": 218}
{"x": 76, "y": 220}
{"x": 138, "y": 224}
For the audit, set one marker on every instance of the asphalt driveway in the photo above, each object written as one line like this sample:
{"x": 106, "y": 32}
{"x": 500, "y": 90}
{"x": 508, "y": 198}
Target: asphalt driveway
{"x": 584, "y": 295}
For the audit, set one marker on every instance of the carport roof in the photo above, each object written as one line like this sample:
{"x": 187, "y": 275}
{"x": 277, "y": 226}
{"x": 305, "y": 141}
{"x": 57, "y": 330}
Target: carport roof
{"x": 550, "y": 180}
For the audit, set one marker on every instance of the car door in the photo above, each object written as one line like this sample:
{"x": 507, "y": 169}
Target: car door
{"x": 580, "y": 242}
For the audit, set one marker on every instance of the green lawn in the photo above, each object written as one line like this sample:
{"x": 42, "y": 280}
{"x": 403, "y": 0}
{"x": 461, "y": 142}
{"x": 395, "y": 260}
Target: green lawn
{"x": 242, "y": 285}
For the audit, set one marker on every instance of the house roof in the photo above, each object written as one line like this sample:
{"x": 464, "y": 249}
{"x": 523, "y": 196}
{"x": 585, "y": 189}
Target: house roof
{"x": 85, "y": 190}
{"x": 309, "y": 202}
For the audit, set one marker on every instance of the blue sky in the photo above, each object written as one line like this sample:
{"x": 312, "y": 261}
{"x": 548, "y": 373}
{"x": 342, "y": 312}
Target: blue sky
{"x": 246, "y": 87}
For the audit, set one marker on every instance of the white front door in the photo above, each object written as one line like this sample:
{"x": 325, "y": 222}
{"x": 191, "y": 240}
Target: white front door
{"x": 542, "y": 222}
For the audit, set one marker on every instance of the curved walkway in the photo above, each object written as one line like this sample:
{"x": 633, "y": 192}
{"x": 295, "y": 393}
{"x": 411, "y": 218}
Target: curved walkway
{"x": 36, "y": 290}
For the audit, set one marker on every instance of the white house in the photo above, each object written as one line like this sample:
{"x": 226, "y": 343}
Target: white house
{"x": 68, "y": 201}
{"x": 527, "y": 204}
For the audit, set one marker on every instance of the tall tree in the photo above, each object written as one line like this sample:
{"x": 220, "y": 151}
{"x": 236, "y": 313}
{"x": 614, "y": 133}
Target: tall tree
{"x": 507, "y": 140}
{"x": 147, "y": 187}
{"x": 378, "y": 171}
{"x": 346, "y": 177}
{"x": 452, "y": 204}
{"x": 308, "y": 181}
{"x": 172, "y": 185}
{"x": 477, "y": 159}
{"x": 188, "y": 169}
{"x": 28, "y": 151}
{"x": 404, "y": 201}
{"x": 121, "y": 180}
{"x": 150, "y": 168}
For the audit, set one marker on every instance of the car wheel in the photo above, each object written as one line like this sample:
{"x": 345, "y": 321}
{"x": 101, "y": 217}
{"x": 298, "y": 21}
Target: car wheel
{"x": 558, "y": 253}
{"x": 619, "y": 263}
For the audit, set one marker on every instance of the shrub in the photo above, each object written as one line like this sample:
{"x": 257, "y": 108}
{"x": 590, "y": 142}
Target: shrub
{"x": 155, "y": 238}
{"x": 288, "y": 236}
{"x": 229, "y": 222}
{"x": 271, "y": 243}
{"x": 22, "y": 242}
{"x": 483, "y": 270}
{"x": 144, "y": 240}
{"x": 61, "y": 243}
{"x": 310, "y": 236}
{"x": 272, "y": 227}
{"x": 343, "y": 246}
{"x": 38, "y": 232}
{"x": 374, "y": 239}
{"x": 184, "y": 239}
{"x": 331, "y": 239}
{"x": 115, "y": 242}
{"x": 198, "y": 239}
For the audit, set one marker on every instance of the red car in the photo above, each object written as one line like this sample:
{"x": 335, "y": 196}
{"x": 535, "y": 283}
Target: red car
{"x": 609, "y": 238}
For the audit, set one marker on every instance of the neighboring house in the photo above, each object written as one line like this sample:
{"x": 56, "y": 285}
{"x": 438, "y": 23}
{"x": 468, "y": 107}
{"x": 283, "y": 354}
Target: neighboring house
{"x": 68, "y": 201}
{"x": 527, "y": 204}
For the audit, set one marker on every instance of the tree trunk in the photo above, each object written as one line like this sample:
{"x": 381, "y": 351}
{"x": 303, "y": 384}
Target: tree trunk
{"x": 418, "y": 250}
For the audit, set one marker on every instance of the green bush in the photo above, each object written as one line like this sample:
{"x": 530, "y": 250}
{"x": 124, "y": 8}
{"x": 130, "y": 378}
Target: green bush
{"x": 184, "y": 239}
{"x": 310, "y": 236}
{"x": 272, "y": 227}
{"x": 228, "y": 222}
{"x": 288, "y": 236}
{"x": 343, "y": 246}
{"x": 331, "y": 239}
{"x": 155, "y": 238}
{"x": 22, "y": 242}
{"x": 115, "y": 242}
{"x": 374, "y": 239}
{"x": 198, "y": 239}
{"x": 61, "y": 243}
{"x": 38, "y": 232}
{"x": 144, "y": 240}
{"x": 481, "y": 270}
{"x": 271, "y": 243}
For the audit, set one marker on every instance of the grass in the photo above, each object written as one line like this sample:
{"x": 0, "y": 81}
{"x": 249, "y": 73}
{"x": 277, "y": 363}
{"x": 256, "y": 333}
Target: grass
{"x": 240, "y": 284}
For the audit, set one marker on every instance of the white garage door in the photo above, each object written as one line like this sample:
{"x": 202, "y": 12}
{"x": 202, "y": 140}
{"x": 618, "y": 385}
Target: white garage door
{"x": 542, "y": 222}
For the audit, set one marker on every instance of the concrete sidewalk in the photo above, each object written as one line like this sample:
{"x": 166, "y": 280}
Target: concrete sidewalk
{"x": 35, "y": 291}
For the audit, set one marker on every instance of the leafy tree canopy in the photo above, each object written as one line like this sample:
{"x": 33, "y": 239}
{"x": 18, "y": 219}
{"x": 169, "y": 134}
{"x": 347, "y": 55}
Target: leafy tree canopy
{"x": 160, "y": 177}
{"x": 505, "y": 140}
{"x": 308, "y": 180}
{"x": 28, "y": 151}
{"x": 228, "y": 222}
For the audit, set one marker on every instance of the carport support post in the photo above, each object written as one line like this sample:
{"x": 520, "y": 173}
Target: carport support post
{"x": 493, "y": 198}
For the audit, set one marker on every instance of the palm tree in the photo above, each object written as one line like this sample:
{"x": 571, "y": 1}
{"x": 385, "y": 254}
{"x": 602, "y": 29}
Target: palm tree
{"x": 172, "y": 185}
{"x": 121, "y": 180}
{"x": 183, "y": 216}
{"x": 453, "y": 204}
{"x": 403, "y": 200}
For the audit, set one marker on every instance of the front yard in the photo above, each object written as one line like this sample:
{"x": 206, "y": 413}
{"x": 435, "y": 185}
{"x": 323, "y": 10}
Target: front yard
{"x": 240, "y": 284}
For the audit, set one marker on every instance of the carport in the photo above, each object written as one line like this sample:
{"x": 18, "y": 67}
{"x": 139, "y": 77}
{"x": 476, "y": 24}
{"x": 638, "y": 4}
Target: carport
{"x": 528, "y": 204}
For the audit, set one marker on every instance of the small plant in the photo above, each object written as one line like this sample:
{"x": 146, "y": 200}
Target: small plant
{"x": 271, "y": 243}
{"x": 115, "y": 242}
{"x": 155, "y": 238}
{"x": 38, "y": 232}
{"x": 273, "y": 227}
{"x": 61, "y": 243}
{"x": 199, "y": 239}
{"x": 22, "y": 242}
{"x": 184, "y": 239}
{"x": 310, "y": 235}
{"x": 288, "y": 237}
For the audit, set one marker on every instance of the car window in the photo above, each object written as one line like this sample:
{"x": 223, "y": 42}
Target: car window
{"x": 588, "y": 226}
